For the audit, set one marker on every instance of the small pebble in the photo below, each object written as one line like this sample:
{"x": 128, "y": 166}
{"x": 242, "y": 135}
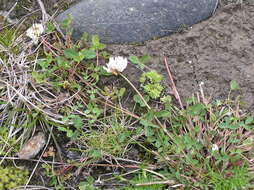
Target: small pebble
{"x": 32, "y": 147}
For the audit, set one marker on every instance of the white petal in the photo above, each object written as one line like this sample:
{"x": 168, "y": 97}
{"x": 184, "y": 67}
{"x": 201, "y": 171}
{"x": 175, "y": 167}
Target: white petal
{"x": 215, "y": 147}
{"x": 34, "y": 32}
{"x": 107, "y": 69}
{"x": 116, "y": 64}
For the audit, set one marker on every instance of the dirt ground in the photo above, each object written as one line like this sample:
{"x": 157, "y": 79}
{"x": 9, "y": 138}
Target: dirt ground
{"x": 214, "y": 51}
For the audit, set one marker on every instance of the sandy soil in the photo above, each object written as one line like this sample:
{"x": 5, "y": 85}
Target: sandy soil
{"x": 214, "y": 51}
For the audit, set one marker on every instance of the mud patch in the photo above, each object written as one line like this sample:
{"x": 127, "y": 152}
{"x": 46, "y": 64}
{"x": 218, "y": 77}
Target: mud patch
{"x": 215, "y": 52}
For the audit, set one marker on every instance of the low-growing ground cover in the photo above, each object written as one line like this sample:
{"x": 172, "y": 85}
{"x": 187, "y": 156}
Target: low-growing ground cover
{"x": 102, "y": 131}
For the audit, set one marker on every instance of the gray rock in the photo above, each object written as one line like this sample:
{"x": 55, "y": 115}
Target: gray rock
{"x": 126, "y": 21}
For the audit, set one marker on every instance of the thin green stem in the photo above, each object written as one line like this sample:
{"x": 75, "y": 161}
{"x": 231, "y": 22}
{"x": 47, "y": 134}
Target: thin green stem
{"x": 157, "y": 120}
{"x": 125, "y": 78}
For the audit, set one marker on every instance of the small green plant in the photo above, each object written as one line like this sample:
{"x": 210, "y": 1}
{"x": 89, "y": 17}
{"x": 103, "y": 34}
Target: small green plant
{"x": 11, "y": 177}
{"x": 140, "y": 62}
{"x": 88, "y": 184}
{"x": 55, "y": 180}
{"x": 7, "y": 37}
{"x": 59, "y": 70}
{"x": 193, "y": 144}
{"x": 66, "y": 25}
{"x": 77, "y": 123}
{"x": 150, "y": 81}
{"x": 111, "y": 138}
{"x": 233, "y": 179}
{"x": 7, "y": 145}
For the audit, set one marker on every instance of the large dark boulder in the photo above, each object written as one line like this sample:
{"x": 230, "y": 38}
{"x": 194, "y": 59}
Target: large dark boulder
{"x": 121, "y": 21}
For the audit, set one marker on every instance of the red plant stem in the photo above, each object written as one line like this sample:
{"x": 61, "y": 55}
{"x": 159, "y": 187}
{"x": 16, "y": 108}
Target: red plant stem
{"x": 176, "y": 94}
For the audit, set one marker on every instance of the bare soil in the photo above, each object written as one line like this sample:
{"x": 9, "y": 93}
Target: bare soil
{"x": 214, "y": 51}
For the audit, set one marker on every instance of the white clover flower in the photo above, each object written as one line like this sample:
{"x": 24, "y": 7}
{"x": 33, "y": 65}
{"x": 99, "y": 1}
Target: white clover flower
{"x": 116, "y": 65}
{"x": 215, "y": 147}
{"x": 34, "y": 32}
